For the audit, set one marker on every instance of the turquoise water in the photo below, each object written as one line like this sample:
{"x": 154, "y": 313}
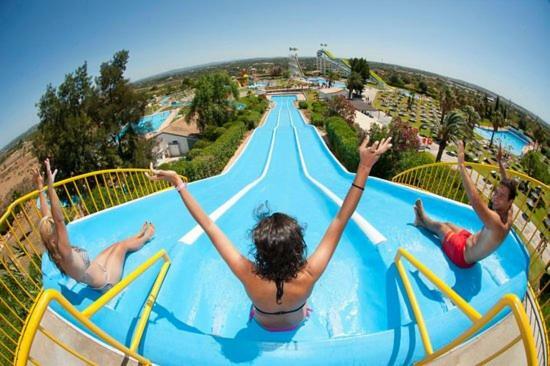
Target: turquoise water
{"x": 360, "y": 315}
{"x": 151, "y": 122}
{"x": 510, "y": 140}
{"x": 320, "y": 81}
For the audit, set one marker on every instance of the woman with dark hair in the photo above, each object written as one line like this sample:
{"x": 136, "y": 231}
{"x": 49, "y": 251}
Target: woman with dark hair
{"x": 281, "y": 279}
{"x": 102, "y": 272}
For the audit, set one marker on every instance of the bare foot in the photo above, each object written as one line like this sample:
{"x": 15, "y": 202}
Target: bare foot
{"x": 143, "y": 230}
{"x": 149, "y": 233}
{"x": 418, "y": 213}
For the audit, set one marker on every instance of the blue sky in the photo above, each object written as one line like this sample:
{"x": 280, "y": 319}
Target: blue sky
{"x": 500, "y": 45}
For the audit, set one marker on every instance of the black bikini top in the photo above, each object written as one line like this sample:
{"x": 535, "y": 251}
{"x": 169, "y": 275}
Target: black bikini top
{"x": 279, "y": 312}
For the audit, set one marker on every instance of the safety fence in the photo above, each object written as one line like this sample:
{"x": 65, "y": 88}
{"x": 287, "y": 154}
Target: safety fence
{"x": 530, "y": 213}
{"x": 21, "y": 249}
{"x": 479, "y": 321}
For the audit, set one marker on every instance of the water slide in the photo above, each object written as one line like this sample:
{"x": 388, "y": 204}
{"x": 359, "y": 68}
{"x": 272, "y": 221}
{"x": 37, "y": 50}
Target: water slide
{"x": 201, "y": 313}
{"x": 343, "y": 67}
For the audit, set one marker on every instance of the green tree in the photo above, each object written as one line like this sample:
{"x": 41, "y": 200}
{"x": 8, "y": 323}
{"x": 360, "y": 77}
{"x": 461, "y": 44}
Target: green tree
{"x": 535, "y": 166}
{"x": 422, "y": 87}
{"x": 66, "y": 133}
{"x": 331, "y": 77}
{"x": 403, "y": 153}
{"x": 450, "y": 129}
{"x": 472, "y": 120}
{"x": 118, "y": 104}
{"x": 340, "y": 106}
{"x": 447, "y": 102}
{"x": 540, "y": 135}
{"x": 354, "y": 84}
{"x": 360, "y": 66}
{"x": 80, "y": 123}
{"x": 186, "y": 84}
{"x": 497, "y": 122}
{"x": 211, "y": 104}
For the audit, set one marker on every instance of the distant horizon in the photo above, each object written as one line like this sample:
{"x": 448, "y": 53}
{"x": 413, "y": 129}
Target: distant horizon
{"x": 182, "y": 69}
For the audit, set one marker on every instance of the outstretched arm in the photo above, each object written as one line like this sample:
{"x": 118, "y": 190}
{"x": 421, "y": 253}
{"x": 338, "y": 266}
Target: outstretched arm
{"x": 322, "y": 255}
{"x": 238, "y": 263}
{"x": 39, "y": 180}
{"x": 57, "y": 213}
{"x": 501, "y": 167}
{"x": 488, "y": 217}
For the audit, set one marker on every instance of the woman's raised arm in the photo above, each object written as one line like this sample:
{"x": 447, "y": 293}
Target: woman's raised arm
{"x": 57, "y": 214}
{"x": 238, "y": 263}
{"x": 322, "y": 255}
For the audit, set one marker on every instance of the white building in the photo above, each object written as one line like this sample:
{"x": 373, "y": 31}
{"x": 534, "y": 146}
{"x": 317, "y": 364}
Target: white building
{"x": 175, "y": 140}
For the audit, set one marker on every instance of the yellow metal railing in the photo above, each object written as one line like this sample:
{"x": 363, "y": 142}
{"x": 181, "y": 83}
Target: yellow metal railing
{"x": 479, "y": 321}
{"x": 531, "y": 208}
{"x": 32, "y": 325}
{"x": 21, "y": 248}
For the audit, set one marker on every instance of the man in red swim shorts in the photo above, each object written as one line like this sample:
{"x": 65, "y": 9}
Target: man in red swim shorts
{"x": 461, "y": 246}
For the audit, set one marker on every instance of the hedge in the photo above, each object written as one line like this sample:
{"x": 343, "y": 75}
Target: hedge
{"x": 343, "y": 141}
{"x": 212, "y": 159}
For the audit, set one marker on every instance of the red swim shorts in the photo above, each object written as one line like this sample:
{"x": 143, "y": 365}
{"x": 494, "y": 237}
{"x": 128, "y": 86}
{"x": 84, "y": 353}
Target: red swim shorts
{"x": 454, "y": 246}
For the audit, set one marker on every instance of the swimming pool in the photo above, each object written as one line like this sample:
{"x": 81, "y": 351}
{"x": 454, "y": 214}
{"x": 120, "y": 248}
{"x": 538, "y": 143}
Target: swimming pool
{"x": 360, "y": 314}
{"x": 320, "y": 81}
{"x": 151, "y": 122}
{"x": 511, "y": 140}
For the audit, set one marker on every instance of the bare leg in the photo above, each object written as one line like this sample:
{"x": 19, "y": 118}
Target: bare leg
{"x": 441, "y": 229}
{"x": 112, "y": 258}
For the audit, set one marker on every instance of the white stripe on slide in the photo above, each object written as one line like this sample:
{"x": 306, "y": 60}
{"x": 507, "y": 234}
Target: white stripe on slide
{"x": 197, "y": 231}
{"x": 370, "y": 231}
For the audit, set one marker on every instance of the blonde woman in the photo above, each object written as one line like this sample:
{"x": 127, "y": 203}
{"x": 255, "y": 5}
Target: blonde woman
{"x": 102, "y": 272}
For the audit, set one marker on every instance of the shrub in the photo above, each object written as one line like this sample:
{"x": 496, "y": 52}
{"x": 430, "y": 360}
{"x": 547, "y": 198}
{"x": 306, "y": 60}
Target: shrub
{"x": 317, "y": 119}
{"x": 212, "y": 132}
{"x": 302, "y": 104}
{"x": 212, "y": 158}
{"x": 319, "y": 107}
{"x": 340, "y": 106}
{"x": 403, "y": 154}
{"x": 534, "y": 164}
{"x": 251, "y": 119}
{"x": 344, "y": 142}
{"x": 194, "y": 152}
{"x": 201, "y": 144}
{"x": 411, "y": 159}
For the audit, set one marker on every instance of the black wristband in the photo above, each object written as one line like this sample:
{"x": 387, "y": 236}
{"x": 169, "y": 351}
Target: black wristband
{"x": 356, "y": 186}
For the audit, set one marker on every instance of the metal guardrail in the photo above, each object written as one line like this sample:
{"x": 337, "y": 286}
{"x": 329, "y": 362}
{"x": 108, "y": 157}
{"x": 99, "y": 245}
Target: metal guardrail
{"x": 21, "y": 248}
{"x": 32, "y": 325}
{"x": 478, "y": 321}
{"x": 531, "y": 208}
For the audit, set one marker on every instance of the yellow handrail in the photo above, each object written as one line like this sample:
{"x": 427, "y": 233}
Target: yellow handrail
{"x": 511, "y": 301}
{"x": 64, "y": 182}
{"x": 125, "y": 282}
{"x": 21, "y": 248}
{"x": 529, "y": 212}
{"x": 32, "y": 323}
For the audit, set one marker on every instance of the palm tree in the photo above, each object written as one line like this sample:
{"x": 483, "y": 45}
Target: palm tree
{"x": 447, "y": 102}
{"x": 450, "y": 129}
{"x": 539, "y": 134}
{"x": 331, "y": 77}
{"x": 354, "y": 84}
{"x": 497, "y": 122}
{"x": 472, "y": 119}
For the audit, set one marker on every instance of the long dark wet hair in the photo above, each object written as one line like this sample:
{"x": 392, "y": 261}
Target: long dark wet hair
{"x": 279, "y": 249}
